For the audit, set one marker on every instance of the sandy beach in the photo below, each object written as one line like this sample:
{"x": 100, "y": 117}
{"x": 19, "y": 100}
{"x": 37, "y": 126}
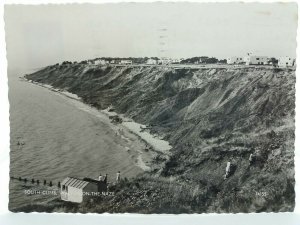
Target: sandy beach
{"x": 150, "y": 144}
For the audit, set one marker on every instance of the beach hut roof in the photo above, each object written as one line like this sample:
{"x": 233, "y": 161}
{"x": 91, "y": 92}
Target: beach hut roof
{"x": 74, "y": 182}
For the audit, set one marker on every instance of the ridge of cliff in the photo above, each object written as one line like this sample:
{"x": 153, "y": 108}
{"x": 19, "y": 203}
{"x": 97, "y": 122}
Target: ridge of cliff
{"x": 210, "y": 116}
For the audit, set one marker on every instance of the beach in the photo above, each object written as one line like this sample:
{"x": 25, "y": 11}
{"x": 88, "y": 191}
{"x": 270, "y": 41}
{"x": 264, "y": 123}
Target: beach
{"x": 55, "y": 135}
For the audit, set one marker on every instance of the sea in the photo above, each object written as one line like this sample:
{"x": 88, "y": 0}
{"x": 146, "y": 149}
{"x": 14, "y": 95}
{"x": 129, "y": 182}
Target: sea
{"x": 53, "y": 136}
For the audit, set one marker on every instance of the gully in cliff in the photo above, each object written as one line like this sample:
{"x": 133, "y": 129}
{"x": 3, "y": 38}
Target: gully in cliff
{"x": 189, "y": 101}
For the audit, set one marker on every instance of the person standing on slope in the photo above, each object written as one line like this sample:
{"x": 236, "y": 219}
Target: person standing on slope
{"x": 227, "y": 171}
{"x": 118, "y": 177}
{"x": 105, "y": 179}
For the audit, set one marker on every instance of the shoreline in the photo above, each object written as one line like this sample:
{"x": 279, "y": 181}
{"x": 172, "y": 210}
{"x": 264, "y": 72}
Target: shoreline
{"x": 154, "y": 145}
{"x": 138, "y": 129}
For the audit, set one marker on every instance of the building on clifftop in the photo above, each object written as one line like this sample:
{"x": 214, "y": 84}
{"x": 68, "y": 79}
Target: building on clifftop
{"x": 286, "y": 61}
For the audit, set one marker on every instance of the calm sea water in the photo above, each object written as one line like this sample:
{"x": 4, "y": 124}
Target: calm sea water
{"x": 53, "y": 137}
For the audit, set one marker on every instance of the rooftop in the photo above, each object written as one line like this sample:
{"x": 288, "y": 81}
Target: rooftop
{"x": 74, "y": 182}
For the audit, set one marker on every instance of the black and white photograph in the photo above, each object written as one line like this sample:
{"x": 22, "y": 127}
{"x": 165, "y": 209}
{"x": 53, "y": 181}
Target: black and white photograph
{"x": 152, "y": 108}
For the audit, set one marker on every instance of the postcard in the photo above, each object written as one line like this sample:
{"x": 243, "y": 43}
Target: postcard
{"x": 152, "y": 108}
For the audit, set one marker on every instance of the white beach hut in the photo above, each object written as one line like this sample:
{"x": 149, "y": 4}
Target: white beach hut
{"x": 74, "y": 189}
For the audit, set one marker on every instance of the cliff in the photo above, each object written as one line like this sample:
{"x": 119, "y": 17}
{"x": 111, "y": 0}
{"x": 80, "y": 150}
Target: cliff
{"x": 210, "y": 116}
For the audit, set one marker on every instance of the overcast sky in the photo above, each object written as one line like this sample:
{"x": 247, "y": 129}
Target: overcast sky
{"x": 40, "y": 35}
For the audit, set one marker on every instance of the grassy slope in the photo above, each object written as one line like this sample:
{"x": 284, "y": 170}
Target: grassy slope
{"x": 210, "y": 116}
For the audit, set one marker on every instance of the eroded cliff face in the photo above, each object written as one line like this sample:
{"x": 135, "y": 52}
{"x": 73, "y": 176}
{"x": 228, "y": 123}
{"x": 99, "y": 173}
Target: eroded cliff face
{"x": 210, "y": 116}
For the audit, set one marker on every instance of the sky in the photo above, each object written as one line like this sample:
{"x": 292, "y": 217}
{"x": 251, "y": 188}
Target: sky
{"x": 39, "y": 35}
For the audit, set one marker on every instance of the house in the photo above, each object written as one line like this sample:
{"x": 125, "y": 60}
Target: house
{"x": 74, "y": 189}
{"x": 101, "y": 62}
{"x": 286, "y": 61}
{"x": 234, "y": 60}
{"x": 125, "y": 61}
{"x": 176, "y": 61}
{"x": 164, "y": 61}
{"x": 152, "y": 62}
{"x": 256, "y": 60}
